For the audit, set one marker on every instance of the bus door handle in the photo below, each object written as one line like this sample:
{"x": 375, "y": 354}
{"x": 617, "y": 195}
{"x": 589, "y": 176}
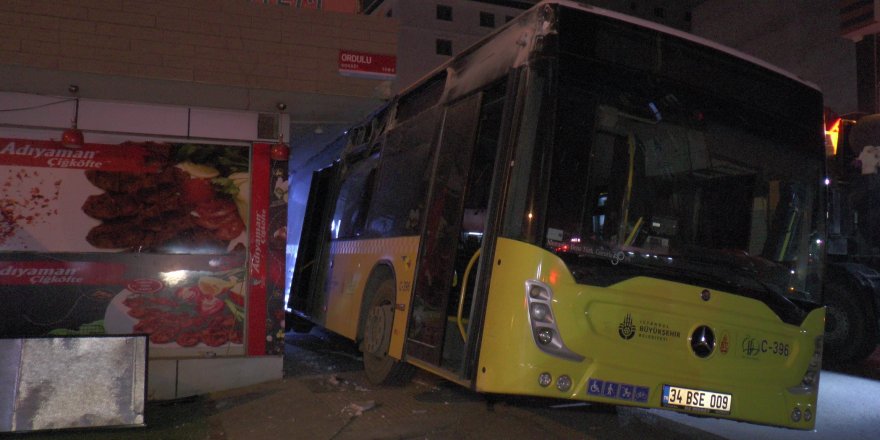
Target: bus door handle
{"x": 464, "y": 283}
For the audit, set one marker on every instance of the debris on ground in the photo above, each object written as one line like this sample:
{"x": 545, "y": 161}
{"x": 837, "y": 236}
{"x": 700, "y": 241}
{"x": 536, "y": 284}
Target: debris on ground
{"x": 356, "y": 409}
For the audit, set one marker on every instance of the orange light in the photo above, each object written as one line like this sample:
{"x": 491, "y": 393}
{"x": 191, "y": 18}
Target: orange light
{"x": 72, "y": 138}
{"x": 553, "y": 276}
{"x": 832, "y": 134}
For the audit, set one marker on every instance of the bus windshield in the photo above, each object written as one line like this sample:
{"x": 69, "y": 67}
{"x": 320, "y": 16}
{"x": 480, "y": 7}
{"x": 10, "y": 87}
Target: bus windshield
{"x": 660, "y": 180}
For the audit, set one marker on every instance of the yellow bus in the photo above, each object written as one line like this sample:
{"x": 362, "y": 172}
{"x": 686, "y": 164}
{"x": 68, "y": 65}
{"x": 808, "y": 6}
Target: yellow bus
{"x": 583, "y": 206}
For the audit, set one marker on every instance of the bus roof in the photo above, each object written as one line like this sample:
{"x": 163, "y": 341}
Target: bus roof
{"x": 500, "y": 55}
{"x": 681, "y": 34}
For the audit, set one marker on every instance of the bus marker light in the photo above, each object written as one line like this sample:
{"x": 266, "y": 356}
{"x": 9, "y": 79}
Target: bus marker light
{"x": 796, "y": 414}
{"x": 563, "y": 383}
{"x": 545, "y": 379}
{"x": 808, "y": 415}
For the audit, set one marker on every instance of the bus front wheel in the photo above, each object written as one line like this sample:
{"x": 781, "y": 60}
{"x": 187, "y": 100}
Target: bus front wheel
{"x": 382, "y": 369}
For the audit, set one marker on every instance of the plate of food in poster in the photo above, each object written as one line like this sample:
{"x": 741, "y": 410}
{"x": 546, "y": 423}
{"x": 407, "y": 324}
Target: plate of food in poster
{"x": 199, "y": 311}
{"x": 152, "y": 197}
{"x": 196, "y": 202}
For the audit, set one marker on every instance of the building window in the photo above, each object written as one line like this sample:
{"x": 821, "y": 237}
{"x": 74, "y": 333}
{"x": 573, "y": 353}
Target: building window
{"x": 444, "y": 12}
{"x": 444, "y": 47}
{"x": 659, "y": 12}
{"x": 390, "y": 13}
{"x": 507, "y": 18}
{"x": 487, "y": 20}
{"x": 688, "y": 16}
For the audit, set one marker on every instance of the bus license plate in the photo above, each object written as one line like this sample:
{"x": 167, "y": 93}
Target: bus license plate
{"x": 686, "y": 398}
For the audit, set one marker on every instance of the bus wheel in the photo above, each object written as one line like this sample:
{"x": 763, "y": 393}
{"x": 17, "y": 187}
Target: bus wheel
{"x": 849, "y": 336}
{"x": 382, "y": 369}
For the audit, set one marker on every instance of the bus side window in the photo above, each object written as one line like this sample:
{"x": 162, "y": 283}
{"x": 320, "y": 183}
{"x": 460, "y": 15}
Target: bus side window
{"x": 354, "y": 198}
{"x": 402, "y": 180}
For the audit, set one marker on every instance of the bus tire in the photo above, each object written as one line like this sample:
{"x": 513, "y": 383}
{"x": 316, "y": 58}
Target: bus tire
{"x": 849, "y": 334}
{"x": 382, "y": 369}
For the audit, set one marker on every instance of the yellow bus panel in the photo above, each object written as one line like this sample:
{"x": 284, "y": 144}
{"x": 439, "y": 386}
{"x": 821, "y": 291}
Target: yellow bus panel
{"x": 351, "y": 263}
{"x": 631, "y": 344}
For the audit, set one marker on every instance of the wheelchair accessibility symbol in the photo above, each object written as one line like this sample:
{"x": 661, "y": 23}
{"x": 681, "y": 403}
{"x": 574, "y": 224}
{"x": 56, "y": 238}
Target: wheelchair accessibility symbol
{"x": 616, "y": 390}
{"x": 595, "y": 387}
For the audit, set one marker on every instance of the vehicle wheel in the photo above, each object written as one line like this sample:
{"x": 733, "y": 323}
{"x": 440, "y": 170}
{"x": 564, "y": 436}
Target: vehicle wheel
{"x": 849, "y": 334}
{"x": 382, "y": 369}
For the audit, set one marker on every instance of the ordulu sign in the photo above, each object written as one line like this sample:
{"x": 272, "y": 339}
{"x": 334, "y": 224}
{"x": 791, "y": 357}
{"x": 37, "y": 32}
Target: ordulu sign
{"x": 367, "y": 65}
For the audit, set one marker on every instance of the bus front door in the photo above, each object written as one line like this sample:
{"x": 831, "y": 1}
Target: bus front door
{"x": 452, "y": 234}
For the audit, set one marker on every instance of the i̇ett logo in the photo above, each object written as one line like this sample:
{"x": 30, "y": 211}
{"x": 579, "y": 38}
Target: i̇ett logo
{"x": 750, "y": 347}
{"x": 627, "y": 329}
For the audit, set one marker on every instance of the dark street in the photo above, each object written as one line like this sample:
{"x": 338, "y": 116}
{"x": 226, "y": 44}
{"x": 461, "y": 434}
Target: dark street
{"x": 325, "y": 395}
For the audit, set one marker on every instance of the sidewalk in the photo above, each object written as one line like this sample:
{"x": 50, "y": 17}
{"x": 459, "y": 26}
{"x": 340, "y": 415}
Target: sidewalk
{"x": 325, "y": 395}
{"x": 344, "y": 407}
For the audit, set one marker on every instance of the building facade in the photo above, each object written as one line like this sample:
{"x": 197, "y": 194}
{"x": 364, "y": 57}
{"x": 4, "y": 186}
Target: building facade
{"x": 104, "y": 104}
{"x": 802, "y": 37}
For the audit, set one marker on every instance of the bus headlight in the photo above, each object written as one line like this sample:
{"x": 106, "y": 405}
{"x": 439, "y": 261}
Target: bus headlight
{"x": 811, "y": 377}
{"x": 810, "y": 381}
{"x": 540, "y": 311}
{"x": 537, "y": 291}
{"x": 545, "y": 335}
{"x": 539, "y": 300}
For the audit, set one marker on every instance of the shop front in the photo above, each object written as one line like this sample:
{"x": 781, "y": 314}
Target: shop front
{"x": 167, "y": 221}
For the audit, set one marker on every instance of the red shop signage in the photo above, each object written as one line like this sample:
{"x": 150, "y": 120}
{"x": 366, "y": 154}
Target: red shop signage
{"x": 59, "y": 273}
{"x": 367, "y": 65}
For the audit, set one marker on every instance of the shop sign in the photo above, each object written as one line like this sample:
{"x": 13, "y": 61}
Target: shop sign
{"x": 141, "y": 237}
{"x": 346, "y": 6}
{"x": 367, "y": 65}
{"x": 160, "y": 198}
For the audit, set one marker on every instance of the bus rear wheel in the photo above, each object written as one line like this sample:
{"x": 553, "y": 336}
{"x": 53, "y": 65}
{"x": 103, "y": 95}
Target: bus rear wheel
{"x": 382, "y": 369}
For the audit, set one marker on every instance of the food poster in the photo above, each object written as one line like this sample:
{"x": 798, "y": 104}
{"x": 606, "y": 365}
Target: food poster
{"x": 268, "y": 247}
{"x": 276, "y": 279}
{"x": 188, "y": 304}
{"x": 133, "y": 197}
{"x": 130, "y": 238}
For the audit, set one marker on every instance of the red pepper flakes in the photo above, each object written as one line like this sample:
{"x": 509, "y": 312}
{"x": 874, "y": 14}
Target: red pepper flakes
{"x": 25, "y": 201}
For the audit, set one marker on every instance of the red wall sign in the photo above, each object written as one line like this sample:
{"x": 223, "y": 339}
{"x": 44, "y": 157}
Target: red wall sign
{"x": 367, "y": 65}
{"x": 47, "y": 273}
{"x": 260, "y": 184}
{"x": 51, "y": 154}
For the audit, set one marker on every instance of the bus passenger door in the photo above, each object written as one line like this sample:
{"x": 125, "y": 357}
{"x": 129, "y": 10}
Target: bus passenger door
{"x": 434, "y": 280}
{"x": 452, "y": 234}
{"x": 305, "y": 289}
